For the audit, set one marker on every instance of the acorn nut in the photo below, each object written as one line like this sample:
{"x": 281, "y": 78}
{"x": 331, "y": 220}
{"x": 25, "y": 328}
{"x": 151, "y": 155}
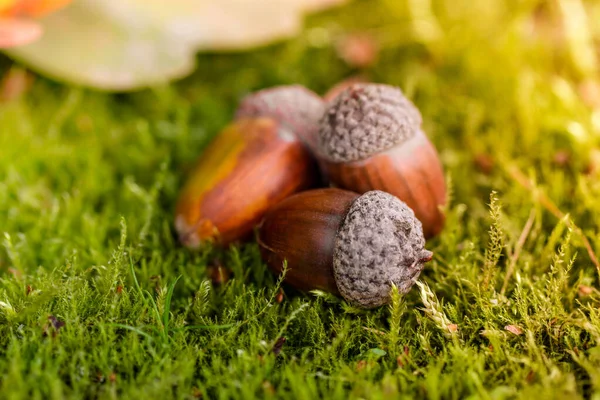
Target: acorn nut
{"x": 370, "y": 138}
{"x": 254, "y": 163}
{"x": 345, "y": 243}
{"x": 296, "y": 107}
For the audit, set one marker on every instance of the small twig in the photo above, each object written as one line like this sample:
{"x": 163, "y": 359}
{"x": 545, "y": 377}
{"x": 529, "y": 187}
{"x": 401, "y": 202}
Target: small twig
{"x": 518, "y": 247}
{"x": 522, "y": 179}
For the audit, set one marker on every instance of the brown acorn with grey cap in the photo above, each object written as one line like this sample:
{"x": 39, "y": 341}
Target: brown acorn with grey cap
{"x": 258, "y": 160}
{"x": 345, "y": 243}
{"x": 370, "y": 138}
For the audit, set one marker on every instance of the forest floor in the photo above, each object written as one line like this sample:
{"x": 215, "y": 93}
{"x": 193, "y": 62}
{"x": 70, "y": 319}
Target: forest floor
{"x": 98, "y": 300}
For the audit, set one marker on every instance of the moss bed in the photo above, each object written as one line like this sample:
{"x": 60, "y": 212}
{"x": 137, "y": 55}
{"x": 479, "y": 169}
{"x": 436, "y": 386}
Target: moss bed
{"x": 98, "y": 300}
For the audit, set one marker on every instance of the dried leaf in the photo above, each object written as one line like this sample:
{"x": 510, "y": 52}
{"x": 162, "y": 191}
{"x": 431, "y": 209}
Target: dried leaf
{"x": 358, "y": 50}
{"x": 30, "y": 8}
{"x": 278, "y": 346}
{"x": 128, "y": 44}
{"x": 585, "y": 290}
{"x": 515, "y": 330}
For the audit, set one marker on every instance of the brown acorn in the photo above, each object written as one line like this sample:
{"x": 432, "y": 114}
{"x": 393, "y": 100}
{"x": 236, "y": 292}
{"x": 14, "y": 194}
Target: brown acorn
{"x": 345, "y": 243}
{"x": 370, "y": 138}
{"x": 296, "y": 107}
{"x": 252, "y": 165}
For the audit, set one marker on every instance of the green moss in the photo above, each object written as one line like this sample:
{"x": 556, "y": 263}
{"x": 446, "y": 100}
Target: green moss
{"x": 88, "y": 183}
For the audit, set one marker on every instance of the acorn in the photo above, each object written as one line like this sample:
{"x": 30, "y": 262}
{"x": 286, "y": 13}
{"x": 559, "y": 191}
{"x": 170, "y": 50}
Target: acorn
{"x": 339, "y": 87}
{"x": 254, "y": 163}
{"x": 295, "y": 106}
{"x": 345, "y": 243}
{"x": 370, "y": 138}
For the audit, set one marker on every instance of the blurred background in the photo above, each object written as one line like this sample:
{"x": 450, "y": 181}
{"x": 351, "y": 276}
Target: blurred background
{"x": 128, "y": 44}
{"x": 498, "y": 81}
{"x": 494, "y": 79}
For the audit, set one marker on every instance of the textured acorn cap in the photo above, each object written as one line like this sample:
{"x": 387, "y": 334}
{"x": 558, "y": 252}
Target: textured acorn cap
{"x": 294, "y": 106}
{"x": 366, "y": 119}
{"x": 380, "y": 242}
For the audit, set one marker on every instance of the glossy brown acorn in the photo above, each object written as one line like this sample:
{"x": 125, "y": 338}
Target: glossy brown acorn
{"x": 257, "y": 161}
{"x": 345, "y": 243}
{"x": 302, "y": 232}
{"x": 370, "y": 138}
{"x": 252, "y": 165}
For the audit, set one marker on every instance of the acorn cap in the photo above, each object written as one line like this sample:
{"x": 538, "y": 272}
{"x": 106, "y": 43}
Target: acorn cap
{"x": 366, "y": 119}
{"x": 379, "y": 242}
{"x": 294, "y": 106}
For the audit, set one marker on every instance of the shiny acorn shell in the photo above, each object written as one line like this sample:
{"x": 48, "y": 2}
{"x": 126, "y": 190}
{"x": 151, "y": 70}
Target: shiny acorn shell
{"x": 370, "y": 138}
{"x": 251, "y": 165}
{"x": 411, "y": 171}
{"x": 301, "y": 232}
